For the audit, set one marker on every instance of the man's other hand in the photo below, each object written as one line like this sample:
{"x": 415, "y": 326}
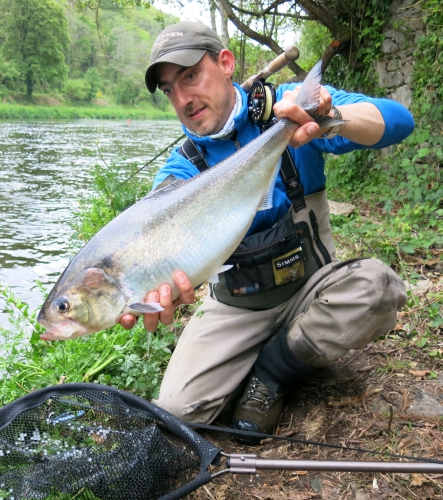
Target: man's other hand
{"x": 308, "y": 130}
{"x": 164, "y": 297}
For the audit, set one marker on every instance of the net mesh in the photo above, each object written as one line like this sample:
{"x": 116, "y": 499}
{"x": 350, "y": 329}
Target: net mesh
{"x": 94, "y": 442}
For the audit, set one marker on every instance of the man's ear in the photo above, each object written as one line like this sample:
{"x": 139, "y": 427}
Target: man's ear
{"x": 227, "y": 60}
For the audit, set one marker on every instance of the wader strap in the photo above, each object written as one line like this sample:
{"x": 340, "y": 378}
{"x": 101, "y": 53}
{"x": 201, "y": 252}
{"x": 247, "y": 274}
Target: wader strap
{"x": 190, "y": 151}
{"x": 291, "y": 178}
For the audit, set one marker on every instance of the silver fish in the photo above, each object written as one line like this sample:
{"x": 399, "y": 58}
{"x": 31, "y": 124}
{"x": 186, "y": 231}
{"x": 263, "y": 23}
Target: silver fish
{"x": 192, "y": 226}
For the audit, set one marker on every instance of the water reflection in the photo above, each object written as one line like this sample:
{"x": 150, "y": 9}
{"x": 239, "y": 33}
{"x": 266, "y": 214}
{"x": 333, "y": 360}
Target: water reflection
{"x": 44, "y": 170}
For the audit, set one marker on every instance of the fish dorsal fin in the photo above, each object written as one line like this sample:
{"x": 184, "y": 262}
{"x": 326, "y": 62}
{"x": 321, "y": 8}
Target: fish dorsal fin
{"x": 309, "y": 95}
{"x": 169, "y": 181}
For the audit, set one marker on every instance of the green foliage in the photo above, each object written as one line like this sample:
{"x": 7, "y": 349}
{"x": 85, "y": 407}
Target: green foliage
{"x": 313, "y": 40}
{"x": 403, "y": 192}
{"x": 112, "y": 112}
{"x": 354, "y": 71}
{"x": 132, "y": 360}
{"x": 105, "y": 44}
{"x": 117, "y": 188}
{"x": 9, "y": 74}
{"x": 93, "y": 79}
{"x": 127, "y": 91}
{"x": 36, "y": 41}
{"x": 427, "y": 79}
{"x": 76, "y": 90}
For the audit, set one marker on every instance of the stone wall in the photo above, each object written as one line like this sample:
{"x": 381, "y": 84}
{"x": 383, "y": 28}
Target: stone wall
{"x": 395, "y": 68}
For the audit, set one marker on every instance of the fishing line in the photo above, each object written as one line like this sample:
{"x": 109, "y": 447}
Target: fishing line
{"x": 149, "y": 162}
{"x": 302, "y": 441}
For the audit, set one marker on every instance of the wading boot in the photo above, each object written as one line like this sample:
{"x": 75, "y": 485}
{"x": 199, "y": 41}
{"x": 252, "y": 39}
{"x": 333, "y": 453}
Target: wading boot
{"x": 275, "y": 370}
{"x": 258, "y": 410}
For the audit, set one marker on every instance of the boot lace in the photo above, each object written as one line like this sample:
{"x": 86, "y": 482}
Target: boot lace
{"x": 259, "y": 392}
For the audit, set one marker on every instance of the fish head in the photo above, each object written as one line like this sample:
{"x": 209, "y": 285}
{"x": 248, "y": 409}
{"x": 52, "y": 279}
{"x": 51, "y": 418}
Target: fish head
{"x": 81, "y": 303}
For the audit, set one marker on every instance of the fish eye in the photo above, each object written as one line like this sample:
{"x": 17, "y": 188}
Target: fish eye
{"x": 62, "y": 305}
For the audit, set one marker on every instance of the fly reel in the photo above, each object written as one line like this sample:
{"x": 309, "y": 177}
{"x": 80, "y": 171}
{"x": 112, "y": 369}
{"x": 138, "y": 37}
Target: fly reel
{"x": 261, "y": 100}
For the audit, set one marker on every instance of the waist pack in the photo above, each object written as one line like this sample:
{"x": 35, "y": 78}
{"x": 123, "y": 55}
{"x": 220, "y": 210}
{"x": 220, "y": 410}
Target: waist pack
{"x": 271, "y": 258}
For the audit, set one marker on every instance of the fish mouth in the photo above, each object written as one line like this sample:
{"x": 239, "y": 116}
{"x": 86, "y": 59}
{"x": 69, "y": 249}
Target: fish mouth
{"x": 68, "y": 329}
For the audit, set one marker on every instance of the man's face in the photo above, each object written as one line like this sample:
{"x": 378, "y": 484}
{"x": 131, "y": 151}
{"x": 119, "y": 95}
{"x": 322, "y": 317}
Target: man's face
{"x": 202, "y": 95}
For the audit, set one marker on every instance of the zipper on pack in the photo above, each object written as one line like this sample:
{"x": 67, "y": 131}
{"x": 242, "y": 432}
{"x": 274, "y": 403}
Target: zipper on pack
{"x": 282, "y": 239}
{"x": 317, "y": 240}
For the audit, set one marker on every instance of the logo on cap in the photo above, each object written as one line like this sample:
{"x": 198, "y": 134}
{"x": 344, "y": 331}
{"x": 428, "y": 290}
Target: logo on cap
{"x": 163, "y": 38}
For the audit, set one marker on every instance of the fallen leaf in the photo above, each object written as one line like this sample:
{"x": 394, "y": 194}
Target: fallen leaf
{"x": 417, "y": 480}
{"x": 419, "y": 373}
{"x": 432, "y": 262}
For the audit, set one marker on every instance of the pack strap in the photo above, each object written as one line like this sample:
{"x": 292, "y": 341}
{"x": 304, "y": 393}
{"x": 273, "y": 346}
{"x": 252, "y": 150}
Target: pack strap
{"x": 291, "y": 179}
{"x": 190, "y": 151}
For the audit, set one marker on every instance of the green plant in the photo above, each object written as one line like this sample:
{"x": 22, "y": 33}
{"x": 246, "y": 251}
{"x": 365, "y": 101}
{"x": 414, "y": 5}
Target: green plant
{"x": 76, "y": 90}
{"x": 93, "y": 80}
{"x": 132, "y": 360}
{"x": 118, "y": 187}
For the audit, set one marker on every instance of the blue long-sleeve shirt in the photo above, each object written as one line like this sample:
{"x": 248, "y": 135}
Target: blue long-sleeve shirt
{"x": 308, "y": 158}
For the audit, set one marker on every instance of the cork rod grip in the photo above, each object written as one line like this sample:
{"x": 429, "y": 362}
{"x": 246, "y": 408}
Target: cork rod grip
{"x": 290, "y": 54}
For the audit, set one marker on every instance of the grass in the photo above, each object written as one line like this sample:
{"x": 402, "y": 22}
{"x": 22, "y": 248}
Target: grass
{"x": 112, "y": 112}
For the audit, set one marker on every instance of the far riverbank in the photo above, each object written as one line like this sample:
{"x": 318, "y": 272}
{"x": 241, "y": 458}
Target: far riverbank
{"x": 111, "y": 112}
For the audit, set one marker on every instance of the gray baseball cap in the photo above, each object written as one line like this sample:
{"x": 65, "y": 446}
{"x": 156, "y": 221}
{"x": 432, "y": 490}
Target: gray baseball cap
{"x": 183, "y": 44}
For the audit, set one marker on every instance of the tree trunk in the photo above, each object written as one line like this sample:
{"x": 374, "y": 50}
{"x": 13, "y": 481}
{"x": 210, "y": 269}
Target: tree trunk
{"x": 212, "y": 7}
{"x": 241, "y": 73}
{"x": 224, "y": 24}
{"x": 29, "y": 86}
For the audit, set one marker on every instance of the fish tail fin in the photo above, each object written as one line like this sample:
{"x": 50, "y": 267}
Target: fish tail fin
{"x": 267, "y": 202}
{"x": 309, "y": 96}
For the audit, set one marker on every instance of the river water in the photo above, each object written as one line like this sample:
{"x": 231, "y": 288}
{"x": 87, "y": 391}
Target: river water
{"x": 45, "y": 168}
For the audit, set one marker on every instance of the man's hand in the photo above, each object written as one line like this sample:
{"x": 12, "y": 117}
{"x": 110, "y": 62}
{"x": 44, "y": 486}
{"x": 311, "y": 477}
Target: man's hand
{"x": 308, "y": 130}
{"x": 164, "y": 297}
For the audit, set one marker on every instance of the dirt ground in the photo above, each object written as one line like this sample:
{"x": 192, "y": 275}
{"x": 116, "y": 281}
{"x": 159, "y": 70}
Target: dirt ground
{"x": 387, "y": 398}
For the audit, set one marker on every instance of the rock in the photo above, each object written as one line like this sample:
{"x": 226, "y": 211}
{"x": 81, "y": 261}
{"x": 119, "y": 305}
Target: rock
{"x": 316, "y": 485}
{"x": 425, "y": 405}
{"x": 337, "y": 208}
{"x": 418, "y": 287}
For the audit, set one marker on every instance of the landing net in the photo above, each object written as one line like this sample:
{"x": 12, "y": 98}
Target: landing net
{"x": 88, "y": 441}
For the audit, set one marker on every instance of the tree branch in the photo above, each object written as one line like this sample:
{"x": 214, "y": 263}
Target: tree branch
{"x": 263, "y": 39}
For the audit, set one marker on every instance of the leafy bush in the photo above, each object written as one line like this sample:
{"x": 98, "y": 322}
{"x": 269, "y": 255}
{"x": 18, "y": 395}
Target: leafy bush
{"x": 76, "y": 90}
{"x": 127, "y": 91}
{"x": 132, "y": 360}
{"x": 93, "y": 80}
{"x": 117, "y": 188}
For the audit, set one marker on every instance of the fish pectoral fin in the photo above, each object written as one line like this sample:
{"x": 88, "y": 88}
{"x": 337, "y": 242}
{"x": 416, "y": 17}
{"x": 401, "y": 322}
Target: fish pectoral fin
{"x": 214, "y": 277}
{"x": 146, "y": 307}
